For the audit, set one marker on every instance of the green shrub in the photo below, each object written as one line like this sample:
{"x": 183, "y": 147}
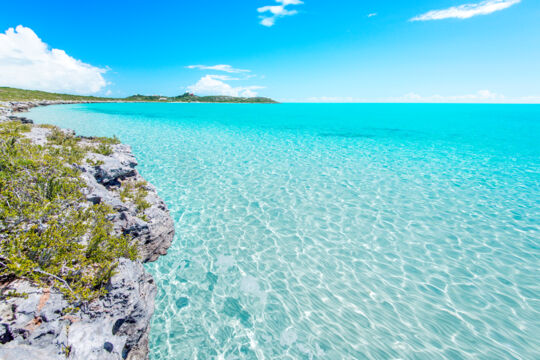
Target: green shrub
{"x": 136, "y": 193}
{"x": 106, "y": 140}
{"x": 93, "y": 162}
{"x": 46, "y": 126}
{"x": 65, "y": 146}
{"x": 49, "y": 233}
{"x": 103, "y": 149}
{"x": 59, "y": 137}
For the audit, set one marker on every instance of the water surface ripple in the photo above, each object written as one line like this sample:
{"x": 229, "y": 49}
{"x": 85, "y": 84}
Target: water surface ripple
{"x": 339, "y": 231}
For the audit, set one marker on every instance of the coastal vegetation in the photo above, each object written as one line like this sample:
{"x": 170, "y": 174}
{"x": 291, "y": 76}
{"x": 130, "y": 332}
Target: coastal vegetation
{"x": 136, "y": 192}
{"x": 12, "y": 94}
{"x": 49, "y": 233}
{"x": 77, "y": 222}
{"x": 189, "y": 97}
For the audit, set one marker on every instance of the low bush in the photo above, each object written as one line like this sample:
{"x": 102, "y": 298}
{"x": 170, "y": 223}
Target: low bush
{"x": 136, "y": 193}
{"x": 49, "y": 233}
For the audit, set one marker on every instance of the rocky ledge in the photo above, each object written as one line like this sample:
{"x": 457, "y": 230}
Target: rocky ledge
{"x": 115, "y": 326}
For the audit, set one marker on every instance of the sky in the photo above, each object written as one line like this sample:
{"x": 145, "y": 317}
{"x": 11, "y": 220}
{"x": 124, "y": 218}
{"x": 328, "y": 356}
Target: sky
{"x": 289, "y": 50}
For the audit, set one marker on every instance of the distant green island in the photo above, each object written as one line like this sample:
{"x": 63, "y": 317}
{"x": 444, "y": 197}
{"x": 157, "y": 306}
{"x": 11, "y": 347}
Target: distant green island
{"x": 13, "y": 94}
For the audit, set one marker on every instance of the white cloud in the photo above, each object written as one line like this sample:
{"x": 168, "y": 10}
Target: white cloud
{"x": 27, "y": 62}
{"x": 277, "y": 11}
{"x": 216, "y": 85}
{"x": 223, "y": 67}
{"x": 467, "y": 11}
{"x": 212, "y": 84}
{"x": 372, "y": 15}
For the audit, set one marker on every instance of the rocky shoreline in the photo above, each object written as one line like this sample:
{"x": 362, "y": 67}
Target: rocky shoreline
{"x": 9, "y": 109}
{"x": 117, "y": 325}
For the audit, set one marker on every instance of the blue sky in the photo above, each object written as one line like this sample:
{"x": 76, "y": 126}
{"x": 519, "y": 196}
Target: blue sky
{"x": 295, "y": 51}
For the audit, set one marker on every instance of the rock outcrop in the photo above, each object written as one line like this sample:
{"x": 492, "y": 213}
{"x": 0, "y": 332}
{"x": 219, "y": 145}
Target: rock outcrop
{"x": 115, "y": 326}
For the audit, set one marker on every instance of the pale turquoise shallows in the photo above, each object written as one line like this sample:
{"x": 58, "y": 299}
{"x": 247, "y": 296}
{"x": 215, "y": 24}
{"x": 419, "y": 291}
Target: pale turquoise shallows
{"x": 339, "y": 231}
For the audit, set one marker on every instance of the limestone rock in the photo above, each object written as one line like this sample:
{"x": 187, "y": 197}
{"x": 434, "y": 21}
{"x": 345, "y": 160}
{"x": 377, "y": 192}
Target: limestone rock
{"x": 117, "y": 325}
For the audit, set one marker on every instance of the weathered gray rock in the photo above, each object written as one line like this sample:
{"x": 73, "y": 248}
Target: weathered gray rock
{"x": 118, "y": 166}
{"x": 5, "y": 112}
{"x": 38, "y": 135}
{"x": 35, "y": 321}
{"x": 117, "y": 325}
{"x": 114, "y": 327}
{"x": 111, "y": 170}
{"x": 97, "y": 193}
{"x": 22, "y": 119}
{"x": 154, "y": 234}
{"x": 160, "y": 226}
{"x": 20, "y": 352}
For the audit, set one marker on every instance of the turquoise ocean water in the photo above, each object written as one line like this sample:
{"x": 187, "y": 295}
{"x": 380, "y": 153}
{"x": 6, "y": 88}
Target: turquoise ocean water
{"x": 335, "y": 231}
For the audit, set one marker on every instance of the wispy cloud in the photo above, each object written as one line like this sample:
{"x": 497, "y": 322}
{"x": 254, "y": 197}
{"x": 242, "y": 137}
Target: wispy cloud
{"x": 372, "y": 15}
{"x": 27, "y": 62}
{"x": 272, "y": 12}
{"x": 334, "y": 99}
{"x": 467, "y": 11}
{"x": 216, "y": 85}
{"x": 222, "y": 67}
{"x": 482, "y": 96}
{"x": 224, "y": 77}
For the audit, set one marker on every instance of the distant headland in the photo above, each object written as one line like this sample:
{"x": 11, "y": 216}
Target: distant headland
{"x": 13, "y": 94}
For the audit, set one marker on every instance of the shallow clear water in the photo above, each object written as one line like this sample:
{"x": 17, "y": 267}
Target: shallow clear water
{"x": 339, "y": 231}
